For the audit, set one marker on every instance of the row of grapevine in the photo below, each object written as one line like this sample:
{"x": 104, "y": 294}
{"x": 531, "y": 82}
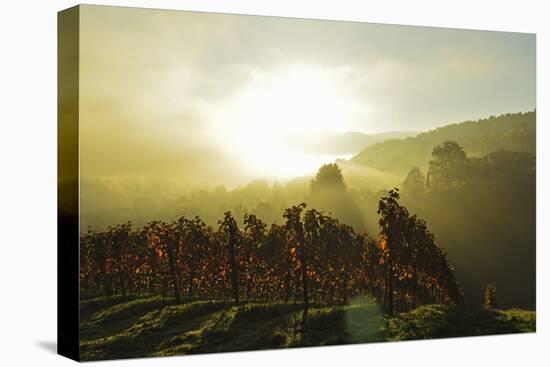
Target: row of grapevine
{"x": 310, "y": 258}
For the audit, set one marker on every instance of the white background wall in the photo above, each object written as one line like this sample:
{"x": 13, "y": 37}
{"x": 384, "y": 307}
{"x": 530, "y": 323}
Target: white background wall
{"x": 28, "y": 183}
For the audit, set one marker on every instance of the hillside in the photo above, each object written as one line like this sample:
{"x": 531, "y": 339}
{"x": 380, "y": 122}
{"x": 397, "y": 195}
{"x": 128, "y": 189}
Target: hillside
{"x": 156, "y": 327}
{"x": 349, "y": 142}
{"x": 511, "y": 132}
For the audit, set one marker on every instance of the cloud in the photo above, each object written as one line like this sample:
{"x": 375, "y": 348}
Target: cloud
{"x": 150, "y": 80}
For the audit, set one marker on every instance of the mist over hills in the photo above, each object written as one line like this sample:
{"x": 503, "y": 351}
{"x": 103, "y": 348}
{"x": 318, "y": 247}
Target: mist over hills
{"x": 486, "y": 223}
{"x": 511, "y": 132}
{"x": 345, "y": 143}
{"x": 382, "y": 163}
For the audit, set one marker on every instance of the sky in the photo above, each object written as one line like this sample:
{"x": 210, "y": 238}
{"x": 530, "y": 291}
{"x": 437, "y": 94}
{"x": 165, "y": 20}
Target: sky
{"x": 203, "y": 99}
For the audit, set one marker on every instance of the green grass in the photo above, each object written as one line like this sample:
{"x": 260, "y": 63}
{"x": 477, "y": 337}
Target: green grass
{"x": 440, "y": 321}
{"x": 156, "y": 327}
{"x": 116, "y": 316}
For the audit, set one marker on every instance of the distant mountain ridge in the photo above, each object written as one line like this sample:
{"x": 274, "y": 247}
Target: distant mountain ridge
{"x": 512, "y": 132}
{"x": 349, "y": 142}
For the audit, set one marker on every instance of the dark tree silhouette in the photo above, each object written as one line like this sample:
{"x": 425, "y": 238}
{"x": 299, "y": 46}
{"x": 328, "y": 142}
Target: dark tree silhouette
{"x": 446, "y": 166}
{"x": 328, "y": 178}
{"x": 415, "y": 181}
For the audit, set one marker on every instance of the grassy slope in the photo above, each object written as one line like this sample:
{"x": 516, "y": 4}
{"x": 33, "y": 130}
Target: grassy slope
{"x": 153, "y": 327}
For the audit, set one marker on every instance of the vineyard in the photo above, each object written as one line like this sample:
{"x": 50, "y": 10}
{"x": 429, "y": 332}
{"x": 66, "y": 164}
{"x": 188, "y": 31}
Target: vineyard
{"x": 185, "y": 287}
{"x": 311, "y": 259}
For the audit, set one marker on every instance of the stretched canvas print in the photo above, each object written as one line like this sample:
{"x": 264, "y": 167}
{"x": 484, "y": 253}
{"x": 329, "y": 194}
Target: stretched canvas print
{"x": 234, "y": 182}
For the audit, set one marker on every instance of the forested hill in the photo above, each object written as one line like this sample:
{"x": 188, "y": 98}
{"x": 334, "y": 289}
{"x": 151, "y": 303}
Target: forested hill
{"x": 511, "y": 132}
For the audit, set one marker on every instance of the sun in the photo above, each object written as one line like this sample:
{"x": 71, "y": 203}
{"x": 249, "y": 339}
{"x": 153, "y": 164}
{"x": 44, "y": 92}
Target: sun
{"x": 257, "y": 123}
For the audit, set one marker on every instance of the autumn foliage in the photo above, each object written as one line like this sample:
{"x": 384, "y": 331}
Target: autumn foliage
{"x": 311, "y": 258}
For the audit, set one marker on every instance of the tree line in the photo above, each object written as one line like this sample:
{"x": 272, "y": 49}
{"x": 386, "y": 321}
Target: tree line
{"x": 480, "y": 206}
{"x": 311, "y": 258}
{"x": 451, "y": 168}
{"x": 511, "y": 132}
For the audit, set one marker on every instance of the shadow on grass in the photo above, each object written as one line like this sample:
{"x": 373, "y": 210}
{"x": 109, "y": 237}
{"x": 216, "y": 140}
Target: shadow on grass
{"x": 440, "y": 321}
{"x": 144, "y": 328}
{"x": 149, "y": 332}
{"x": 118, "y": 317}
{"x": 152, "y": 327}
{"x": 360, "y": 322}
{"x": 246, "y": 327}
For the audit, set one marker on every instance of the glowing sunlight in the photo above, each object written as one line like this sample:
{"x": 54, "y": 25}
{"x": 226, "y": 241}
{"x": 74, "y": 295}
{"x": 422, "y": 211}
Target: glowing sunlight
{"x": 257, "y": 123}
